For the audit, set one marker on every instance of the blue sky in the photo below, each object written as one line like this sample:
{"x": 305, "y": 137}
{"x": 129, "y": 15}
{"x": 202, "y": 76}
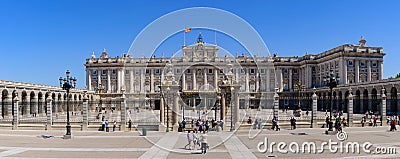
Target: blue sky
{"x": 40, "y": 40}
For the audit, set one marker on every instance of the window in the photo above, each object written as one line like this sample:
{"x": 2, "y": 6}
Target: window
{"x": 94, "y": 72}
{"x": 210, "y": 71}
{"x": 126, "y": 72}
{"x": 104, "y": 72}
{"x": 252, "y": 71}
{"x": 157, "y": 71}
{"x": 221, "y": 71}
{"x": 136, "y": 72}
{"x": 188, "y": 71}
{"x": 147, "y": 71}
{"x": 262, "y": 71}
{"x": 242, "y": 71}
{"x": 113, "y": 72}
{"x": 178, "y": 71}
{"x": 350, "y": 63}
{"x": 374, "y": 64}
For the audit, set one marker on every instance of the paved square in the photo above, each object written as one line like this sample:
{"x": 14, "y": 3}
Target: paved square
{"x": 242, "y": 144}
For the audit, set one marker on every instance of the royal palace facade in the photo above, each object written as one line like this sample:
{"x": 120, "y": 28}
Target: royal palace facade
{"x": 199, "y": 69}
{"x": 200, "y": 77}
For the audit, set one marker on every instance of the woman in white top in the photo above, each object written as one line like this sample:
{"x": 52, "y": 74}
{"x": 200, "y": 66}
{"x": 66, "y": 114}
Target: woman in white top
{"x": 204, "y": 144}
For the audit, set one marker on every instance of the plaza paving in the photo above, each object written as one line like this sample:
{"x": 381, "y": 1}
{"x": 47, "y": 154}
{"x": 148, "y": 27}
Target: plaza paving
{"x": 19, "y": 144}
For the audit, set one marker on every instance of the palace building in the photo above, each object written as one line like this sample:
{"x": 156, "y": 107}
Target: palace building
{"x": 198, "y": 80}
{"x": 199, "y": 72}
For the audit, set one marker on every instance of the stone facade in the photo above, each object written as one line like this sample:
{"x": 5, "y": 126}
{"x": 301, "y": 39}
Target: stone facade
{"x": 199, "y": 72}
{"x": 32, "y": 99}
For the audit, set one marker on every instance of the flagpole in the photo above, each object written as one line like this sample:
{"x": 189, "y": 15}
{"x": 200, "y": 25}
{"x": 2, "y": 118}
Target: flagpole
{"x": 215, "y": 38}
{"x": 184, "y": 38}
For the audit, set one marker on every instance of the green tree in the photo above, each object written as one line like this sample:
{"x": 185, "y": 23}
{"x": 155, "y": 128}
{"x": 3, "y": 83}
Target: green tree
{"x": 398, "y": 75}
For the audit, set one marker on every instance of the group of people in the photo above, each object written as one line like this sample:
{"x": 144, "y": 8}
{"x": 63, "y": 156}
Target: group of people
{"x": 194, "y": 141}
{"x": 201, "y": 125}
{"x": 104, "y": 125}
{"x": 393, "y": 120}
{"x": 372, "y": 120}
{"x": 339, "y": 121}
{"x": 198, "y": 126}
{"x": 257, "y": 123}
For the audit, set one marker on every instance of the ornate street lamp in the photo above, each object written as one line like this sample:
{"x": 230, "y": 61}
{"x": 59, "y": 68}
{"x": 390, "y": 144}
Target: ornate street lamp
{"x": 299, "y": 87}
{"x": 331, "y": 81}
{"x": 66, "y": 84}
{"x": 218, "y": 104}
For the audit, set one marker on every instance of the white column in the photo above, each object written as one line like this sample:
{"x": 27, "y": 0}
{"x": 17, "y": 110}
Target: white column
{"x": 350, "y": 109}
{"x": 108, "y": 81}
{"x": 142, "y": 79}
{"x": 15, "y": 121}
{"x": 151, "y": 80}
{"x": 368, "y": 63}
{"x": 320, "y": 75}
{"x": 194, "y": 80}
{"x": 85, "y": 111}
{"x": 268, "y": 71}
{"x": 183, "y": 80}
{"x": 257, "y": 81}
{"x": 49, "y": 113}
{"x": 118, "y": 80}
{"x": 205, "y": 76}
{"x": 279, "y": 79}
{"x": 310, "y": 75}
{"x": 276, "y": 105}
{"x": 383, "y": 107}
{"x": 123, "y": 112}
{"x": 380, "y": 64}
{"x": 314, "y": 110}
{"x": 290, "y": 79}
{"x": 162, "y": 111}
{"x": 132, "y": 86}
{"x": 357, "y": 71}
{"x": 247, "y": 80}
{"x": 344, "y": 73}
{"x": 89, "y": 80}
{"x": 98, "y": 76}
{"x": 122, "y": 79}
{"x": 215, "y": 78}
{"x": 237, "y": 74}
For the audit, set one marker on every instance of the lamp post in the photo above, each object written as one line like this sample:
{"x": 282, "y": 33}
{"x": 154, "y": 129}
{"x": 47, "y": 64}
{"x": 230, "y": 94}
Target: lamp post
{"x": 332, "y": 82}
{"x": 66, "y": 84}
{"x": 216, "y": 106}
{"x": 299, "y": 87}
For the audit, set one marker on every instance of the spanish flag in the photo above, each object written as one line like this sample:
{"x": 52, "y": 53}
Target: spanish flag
{"x": 188, "y": 30}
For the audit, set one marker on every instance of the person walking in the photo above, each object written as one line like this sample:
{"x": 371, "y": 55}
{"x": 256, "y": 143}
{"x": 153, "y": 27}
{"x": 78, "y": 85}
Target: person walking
{"x": 114, "y": 125}
{"x": 260, "y": 126}
{"x": 327, "y": 122}
{"x": 107, "y": 126}
{"x": 130, "y": 125}
{"x": 293, "y": 123}
{"x": 103, "y": 125}
{"x": 375, "y": 118}
{"x": 183, "y": 124}
{"x": 204, "y": 143}
{"x": 255, "y": 124}
{"x": 189, "y": 137}
{"x": 363, "y": 121}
